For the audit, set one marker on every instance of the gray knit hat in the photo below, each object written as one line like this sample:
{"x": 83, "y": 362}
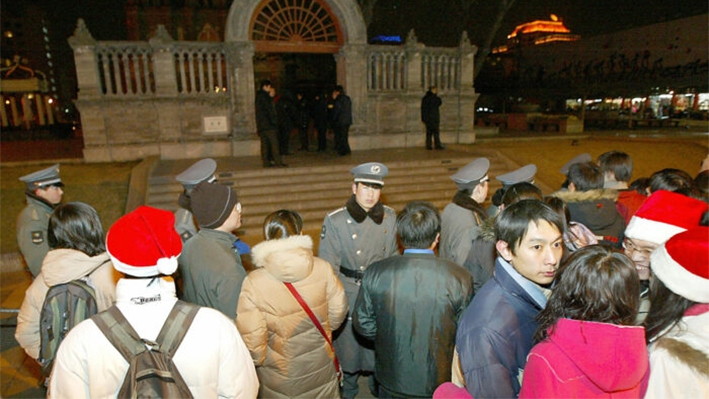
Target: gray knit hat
{"x": 212, "y": 204}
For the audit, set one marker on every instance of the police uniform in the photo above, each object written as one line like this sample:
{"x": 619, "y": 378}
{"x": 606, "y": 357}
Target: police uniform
{"x": 33, "y": 220}
{"x": 202, "y": 170}
{"x": 524, "y": 174}
{"x": 350, "y": 247}
{"x": 460, "y": 219}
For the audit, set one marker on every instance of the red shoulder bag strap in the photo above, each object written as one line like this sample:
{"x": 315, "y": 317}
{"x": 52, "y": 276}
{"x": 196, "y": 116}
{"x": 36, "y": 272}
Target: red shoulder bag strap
{"x": 315, "y": 320}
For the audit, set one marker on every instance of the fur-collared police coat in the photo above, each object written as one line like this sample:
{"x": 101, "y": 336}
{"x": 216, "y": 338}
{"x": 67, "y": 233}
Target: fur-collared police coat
{"x": 292, "y": 358}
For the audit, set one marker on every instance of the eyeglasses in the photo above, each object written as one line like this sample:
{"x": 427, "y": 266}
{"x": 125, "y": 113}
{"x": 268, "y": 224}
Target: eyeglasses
{"x": 632, "y": 248}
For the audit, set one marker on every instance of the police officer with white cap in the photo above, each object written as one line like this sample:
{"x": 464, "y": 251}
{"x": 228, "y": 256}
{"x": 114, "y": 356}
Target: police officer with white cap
{"x": 353, "y": 237}
{"x": 462, "y": 217}
{"x": 43, "y": 193}
{"x": 202, "y": 170}
{"x": 524, "y": 174}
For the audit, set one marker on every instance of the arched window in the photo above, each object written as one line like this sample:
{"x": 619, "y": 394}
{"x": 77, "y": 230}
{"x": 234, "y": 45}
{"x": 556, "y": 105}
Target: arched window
{"x": 295, "y": 26}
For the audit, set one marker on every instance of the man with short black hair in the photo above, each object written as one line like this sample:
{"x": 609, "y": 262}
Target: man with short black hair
{"x": 592, "y": 205}
{"x": 400, "y": 308}
{"x": 267, "y": 125}
{"x": 43, "y": 193}
{"x": 353, "y": 237}
{"x": 495, "y": 332}
{"x": 617, "y": 168}
{"x": 431, "y": 117}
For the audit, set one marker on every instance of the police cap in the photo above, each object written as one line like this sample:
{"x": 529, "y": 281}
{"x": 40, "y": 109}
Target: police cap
{"x": 202, "y": 170}
{"x": 581, "y": 158}
{"x": 524, "y": 174}
{"x": 370, "y": 172}
{"x": 472, "y": 174}
{"x": 43, "y": 178}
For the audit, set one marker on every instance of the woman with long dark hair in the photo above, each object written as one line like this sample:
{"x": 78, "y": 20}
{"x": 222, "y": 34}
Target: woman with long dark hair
{"x": 292, "y": 357}
{"x": 76, "y": 251}
{"x": 587, "y": 345}
{"x": 678, "y": 318}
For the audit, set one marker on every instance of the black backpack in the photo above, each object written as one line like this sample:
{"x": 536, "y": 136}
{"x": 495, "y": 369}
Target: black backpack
{"x": 65, "y": 306}
{"x": 151, "y": 372}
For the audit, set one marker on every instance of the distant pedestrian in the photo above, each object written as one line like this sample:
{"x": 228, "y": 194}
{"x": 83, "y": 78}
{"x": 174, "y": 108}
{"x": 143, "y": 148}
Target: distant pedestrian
{"x": 302, "y": 119}
{"x": 341, "y": 120}
{"x": 43, "y": 192}
{"x": 431, "y": 117}
{"x": 319, "y": 112}
{"x": 267, "y": 125}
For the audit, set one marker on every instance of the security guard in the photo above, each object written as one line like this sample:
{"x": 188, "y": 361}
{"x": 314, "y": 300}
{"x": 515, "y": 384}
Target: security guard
{"x": 43, "y": 193}
{"x": 352, "y": 238}
{"x": 524, "y": 174}
{"x": 202, "y": 170}
{"x": 460, "y": 219}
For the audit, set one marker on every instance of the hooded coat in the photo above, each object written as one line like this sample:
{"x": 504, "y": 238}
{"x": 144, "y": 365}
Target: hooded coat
{"x": 291, "y": 356}
{"x": 61, "y": 266}
{"x": 596, "y": 209}
{"x": 583, "y": 359}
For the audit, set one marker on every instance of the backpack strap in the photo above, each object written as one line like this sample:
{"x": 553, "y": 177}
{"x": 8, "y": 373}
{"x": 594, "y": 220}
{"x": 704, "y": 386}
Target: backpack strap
{"x": 119, "y": 332}
{"x": 176, "y": 326}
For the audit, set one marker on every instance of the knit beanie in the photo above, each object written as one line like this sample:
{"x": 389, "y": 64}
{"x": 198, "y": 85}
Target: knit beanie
{"x": 212, "y": 204}
{"x": 144, "y": 243}
{"x": 682, "y": 264}
{"x": 664, "y": 214}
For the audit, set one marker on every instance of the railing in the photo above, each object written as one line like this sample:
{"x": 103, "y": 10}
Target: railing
{"x": 125, "y": 69}
{"x": 130, "y": 69}
{"x": 388, "y": 68}
{"x": 201, "y": 68}
{"x": 440, "y": 68}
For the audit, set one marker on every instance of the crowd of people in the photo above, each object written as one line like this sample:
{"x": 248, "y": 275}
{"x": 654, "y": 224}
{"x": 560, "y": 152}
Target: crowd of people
{"x": 277, "y": 115}
{"x": 600, "y": 289}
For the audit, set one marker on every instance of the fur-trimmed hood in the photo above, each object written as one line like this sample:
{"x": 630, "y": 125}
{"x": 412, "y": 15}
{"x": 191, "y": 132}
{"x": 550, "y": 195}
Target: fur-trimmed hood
{"x": 287, "y": 259}
{"x": 590, "y": 195}
{"x": 487, "y": 230}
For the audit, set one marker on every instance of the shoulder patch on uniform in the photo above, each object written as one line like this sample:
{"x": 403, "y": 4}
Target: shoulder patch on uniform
{"x": 37, "y": 237}
{"x": 323, "y": 231}
{"x": 186, "y": 235}
{"x": 337, "y": 211}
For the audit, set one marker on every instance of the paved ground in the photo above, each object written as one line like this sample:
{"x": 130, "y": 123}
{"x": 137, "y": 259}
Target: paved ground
{"x": 651, "y": 150}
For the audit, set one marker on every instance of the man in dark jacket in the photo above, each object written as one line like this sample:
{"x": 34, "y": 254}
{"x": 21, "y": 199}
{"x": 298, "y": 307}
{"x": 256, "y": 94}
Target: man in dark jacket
{"x": 410, "y": 305}
{"x": 267, "y": 125}
{"x": 341, "y": 120}
{"x": 431, "y": 116}
{"x": 495, "y": 332}
{"x": 319, "y": 114}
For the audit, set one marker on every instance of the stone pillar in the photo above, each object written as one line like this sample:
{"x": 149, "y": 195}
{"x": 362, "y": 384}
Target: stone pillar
{"x": 3, "y": 112}
{"x": 164, "y": 63}
{"x": 40, "y": 109}
{"x": 352, "y": 75}
{"x": 87, "y": 75}
{"x": 15, "y": 114}
{"x": 413, "y": 64}
{"x": 468, "y": 97}
{"x": 242, "y": 88}
{"x": 467, "y": 63}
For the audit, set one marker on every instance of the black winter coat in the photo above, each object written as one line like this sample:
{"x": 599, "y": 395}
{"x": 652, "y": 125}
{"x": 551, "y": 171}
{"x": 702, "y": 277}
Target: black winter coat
{"x": 430, "y": 112}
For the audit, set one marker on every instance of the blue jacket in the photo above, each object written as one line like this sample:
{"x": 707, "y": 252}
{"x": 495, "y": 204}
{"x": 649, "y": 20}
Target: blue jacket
{"x": 495, "y": 333}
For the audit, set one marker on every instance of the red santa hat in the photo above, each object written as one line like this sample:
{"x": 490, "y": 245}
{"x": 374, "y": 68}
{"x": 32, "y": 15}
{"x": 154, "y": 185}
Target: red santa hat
{"x": 682, "y": 264}
{"x": 144, "y": 243}
{"x": 663, "y": 215}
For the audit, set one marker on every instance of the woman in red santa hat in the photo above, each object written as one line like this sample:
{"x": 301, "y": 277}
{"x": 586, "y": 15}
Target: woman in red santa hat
{"x": 678, "y": 318}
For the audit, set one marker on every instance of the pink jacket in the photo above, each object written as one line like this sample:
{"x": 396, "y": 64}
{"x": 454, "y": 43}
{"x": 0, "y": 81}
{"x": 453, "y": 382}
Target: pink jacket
{"x": 582, "y": 359}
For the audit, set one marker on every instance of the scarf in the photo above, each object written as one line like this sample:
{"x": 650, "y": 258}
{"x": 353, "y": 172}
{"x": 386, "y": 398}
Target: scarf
{"x": 359, "y": 214}
{"x": 464, "y": 201}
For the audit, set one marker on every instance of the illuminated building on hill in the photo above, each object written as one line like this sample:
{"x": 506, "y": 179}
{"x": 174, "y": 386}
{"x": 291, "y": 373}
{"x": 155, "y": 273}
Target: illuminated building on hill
{"x": 537, "y": 32}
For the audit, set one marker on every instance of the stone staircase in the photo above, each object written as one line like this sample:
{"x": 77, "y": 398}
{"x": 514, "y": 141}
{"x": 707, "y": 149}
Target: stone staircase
{"x": 315, "y": 188}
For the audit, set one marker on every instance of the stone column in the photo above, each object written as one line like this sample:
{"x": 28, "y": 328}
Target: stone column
{"x": 164, "y": 63}
{"x": 87, "y": 74}
{"x": 242, "y": 88}
{"x": 352, "y": 75}
{"x": 468, "y": 96}
{"x": 413, "y": 64}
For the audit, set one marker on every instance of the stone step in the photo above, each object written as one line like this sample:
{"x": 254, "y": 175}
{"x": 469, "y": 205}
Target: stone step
{"x": 315, "y": 190}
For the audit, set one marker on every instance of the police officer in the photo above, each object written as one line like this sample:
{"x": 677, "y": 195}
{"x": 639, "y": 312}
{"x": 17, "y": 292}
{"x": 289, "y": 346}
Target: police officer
{"x": 43, "y": 193}
{"x": 460, "y": 218}
{"x": 524, "y": 174}
{"x": 202, "y": 170}
{"x": 352, "y": 238}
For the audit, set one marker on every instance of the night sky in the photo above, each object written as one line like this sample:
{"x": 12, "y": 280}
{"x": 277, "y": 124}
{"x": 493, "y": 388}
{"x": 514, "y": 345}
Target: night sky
{"x": 433, "y": 20}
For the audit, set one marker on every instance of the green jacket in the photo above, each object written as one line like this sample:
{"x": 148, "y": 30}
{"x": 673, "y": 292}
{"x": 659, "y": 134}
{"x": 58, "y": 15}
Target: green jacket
{"x": 211, "y": 271}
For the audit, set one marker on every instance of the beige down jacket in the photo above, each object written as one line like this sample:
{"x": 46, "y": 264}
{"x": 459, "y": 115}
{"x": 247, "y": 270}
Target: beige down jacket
{"x": 291, "y": 356}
